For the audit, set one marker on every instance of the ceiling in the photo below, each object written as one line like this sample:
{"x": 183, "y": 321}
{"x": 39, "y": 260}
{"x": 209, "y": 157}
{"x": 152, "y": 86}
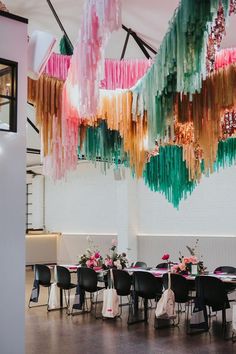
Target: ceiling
{"x": 147, "y": 17}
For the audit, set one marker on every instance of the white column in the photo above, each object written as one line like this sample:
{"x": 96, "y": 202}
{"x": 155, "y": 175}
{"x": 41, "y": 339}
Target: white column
{"x": 127, "y": 216}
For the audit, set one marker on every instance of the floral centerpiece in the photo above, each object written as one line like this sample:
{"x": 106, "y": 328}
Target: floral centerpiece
{"x": 190, "y": 264}
{"x": 92, "y": 257}
{"x": 114, "y": 259}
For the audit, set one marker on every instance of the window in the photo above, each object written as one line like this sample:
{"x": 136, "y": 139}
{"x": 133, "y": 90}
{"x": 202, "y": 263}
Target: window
{"x": 8, "y": 95}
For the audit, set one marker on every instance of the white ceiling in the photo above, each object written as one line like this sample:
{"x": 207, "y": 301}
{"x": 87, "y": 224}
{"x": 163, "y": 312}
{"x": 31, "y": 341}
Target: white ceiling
{"x": 147, "y": 17}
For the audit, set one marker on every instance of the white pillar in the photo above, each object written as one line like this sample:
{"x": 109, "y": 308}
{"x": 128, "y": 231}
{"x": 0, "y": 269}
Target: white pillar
{"x": 127, "y": 216}
{"x": 13, "y": 46}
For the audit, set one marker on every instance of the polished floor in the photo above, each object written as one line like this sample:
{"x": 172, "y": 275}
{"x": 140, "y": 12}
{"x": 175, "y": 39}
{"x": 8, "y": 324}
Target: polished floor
{"x": 57, "y": 333}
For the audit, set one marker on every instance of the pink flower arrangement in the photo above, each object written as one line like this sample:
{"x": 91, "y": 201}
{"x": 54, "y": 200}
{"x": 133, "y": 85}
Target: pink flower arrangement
{"x": 113, "y": 259}
{"x": 92, "y": 257}
{"x": 185, "y": 264}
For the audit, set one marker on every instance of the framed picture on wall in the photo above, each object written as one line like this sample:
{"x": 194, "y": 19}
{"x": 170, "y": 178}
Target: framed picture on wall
{"x": 8, "y": 95}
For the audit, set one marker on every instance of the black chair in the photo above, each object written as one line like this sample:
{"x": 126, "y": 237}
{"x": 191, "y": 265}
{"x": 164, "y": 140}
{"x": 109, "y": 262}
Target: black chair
{"x": 162, "y": 265}
{"x": 148, "y": 287}
{"x": 228, "y": 270}
{"x": 180, "y": 287}
{"x": 88, "y": 282}
{"x": 64, "y": 284}
{"x": 213, "y": 293}
{"x": 42, "y": 277}
{"x": 122, "y": 284}
{"x": 140, "y": 265}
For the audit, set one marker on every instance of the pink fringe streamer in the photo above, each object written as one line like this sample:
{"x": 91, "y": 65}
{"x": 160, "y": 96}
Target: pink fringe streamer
{"x": 101, "y": 17}
{"x": 119, "y": 74}
{"x": 225, "y": 57}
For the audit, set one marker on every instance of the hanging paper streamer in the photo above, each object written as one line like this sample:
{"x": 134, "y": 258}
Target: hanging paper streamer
{"x": 123, "y": 74}
{"x": 226, "y": 155}
{"x": 119, "y": 74}
{"x": 225, "y": 57}
{"x": 115, "y": 107}
{"x": 58, "y": 66}
{"x": 101, "y": 144}
{"x": 65, "y": 46}
{"x": 59, "y": 153}
{"x": 205, "y": 110}
{"x": 167, "y": 173}
{"x": 100, "y": 19}
{"x": 180, "y": 66}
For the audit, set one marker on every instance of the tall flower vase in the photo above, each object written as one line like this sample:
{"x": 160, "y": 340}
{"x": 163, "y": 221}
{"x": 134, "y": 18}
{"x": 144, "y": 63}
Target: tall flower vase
{"x": 194, "y": 269}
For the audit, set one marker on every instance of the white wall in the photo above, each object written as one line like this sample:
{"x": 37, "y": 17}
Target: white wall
{"x": 13, "y": 46}
{"x": 84, "y": 203}
{"x": 209, "y": 210}
{"x": 90, "y": 203}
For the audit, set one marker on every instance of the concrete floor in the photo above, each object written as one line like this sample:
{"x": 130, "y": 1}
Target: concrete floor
{"x": 57, "y": 333}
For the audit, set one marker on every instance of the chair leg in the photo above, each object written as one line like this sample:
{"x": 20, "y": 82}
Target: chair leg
{"x": 68, "y": 303}
{"x": 224, "y": 323}
{"x": 49, "y": 292}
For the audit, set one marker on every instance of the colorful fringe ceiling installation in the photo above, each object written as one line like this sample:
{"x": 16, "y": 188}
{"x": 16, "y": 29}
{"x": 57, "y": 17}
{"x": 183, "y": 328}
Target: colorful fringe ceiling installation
{"x": 168, "y": 120}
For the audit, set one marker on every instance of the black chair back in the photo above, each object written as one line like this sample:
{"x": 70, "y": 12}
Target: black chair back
{"x": 162, "y": 265}
{"x": 179, "y": 285}
{"x": 213, "y": 291}
{"x": 63, "y": 277}
{"x": 43, "y": 274}
{"x": 122, "y": 282}
{"x": 141, "y": 265}
{"x": 87, "y": 279}
{"x": 226, "y": 269}
{"x": 146, "y": 285}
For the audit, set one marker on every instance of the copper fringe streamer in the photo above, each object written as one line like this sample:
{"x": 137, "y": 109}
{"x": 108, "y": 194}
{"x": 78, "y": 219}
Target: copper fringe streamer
{"x": 58, "y": 154}
{"x": 115, "y": 107}
{"x": 205, "y": 110}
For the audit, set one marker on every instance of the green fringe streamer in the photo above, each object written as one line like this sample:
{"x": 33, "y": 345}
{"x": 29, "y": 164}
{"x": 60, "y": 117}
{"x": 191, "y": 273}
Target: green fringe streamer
{"x": 167, "y": 173}
{"x": 102, "y": 144}
{"x": 65, "y": 46}
{"x": 226, "y": 154}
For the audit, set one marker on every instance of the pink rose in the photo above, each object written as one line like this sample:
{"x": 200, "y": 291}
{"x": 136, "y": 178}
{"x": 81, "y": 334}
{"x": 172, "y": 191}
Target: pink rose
{"x": 97, "y": 255}
{"x": 92, "y": 257}
{"x": 108, "y": 262}
{"x": 91, "y": 263}
{"x": 165, "y": 257}
{"x": 186, "y": 260}
{"x": 193, "y": 260}
{"x": 182, "y": 266}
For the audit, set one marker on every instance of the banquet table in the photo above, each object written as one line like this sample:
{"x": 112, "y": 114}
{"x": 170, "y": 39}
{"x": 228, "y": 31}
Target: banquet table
{"x": 226, "y": 278}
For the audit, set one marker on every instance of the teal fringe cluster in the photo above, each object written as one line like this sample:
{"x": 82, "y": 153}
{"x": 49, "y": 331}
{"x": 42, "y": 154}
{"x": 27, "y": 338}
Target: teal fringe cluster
{"x": 65, "y": 46}
{"x": 226, "y": 154}
{"x": 167, "y": 173}
{"x": 102, "y": 144}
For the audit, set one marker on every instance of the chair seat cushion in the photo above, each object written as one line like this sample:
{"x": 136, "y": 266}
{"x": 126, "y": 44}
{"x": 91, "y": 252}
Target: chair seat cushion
{"x": 68, "y": 287}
